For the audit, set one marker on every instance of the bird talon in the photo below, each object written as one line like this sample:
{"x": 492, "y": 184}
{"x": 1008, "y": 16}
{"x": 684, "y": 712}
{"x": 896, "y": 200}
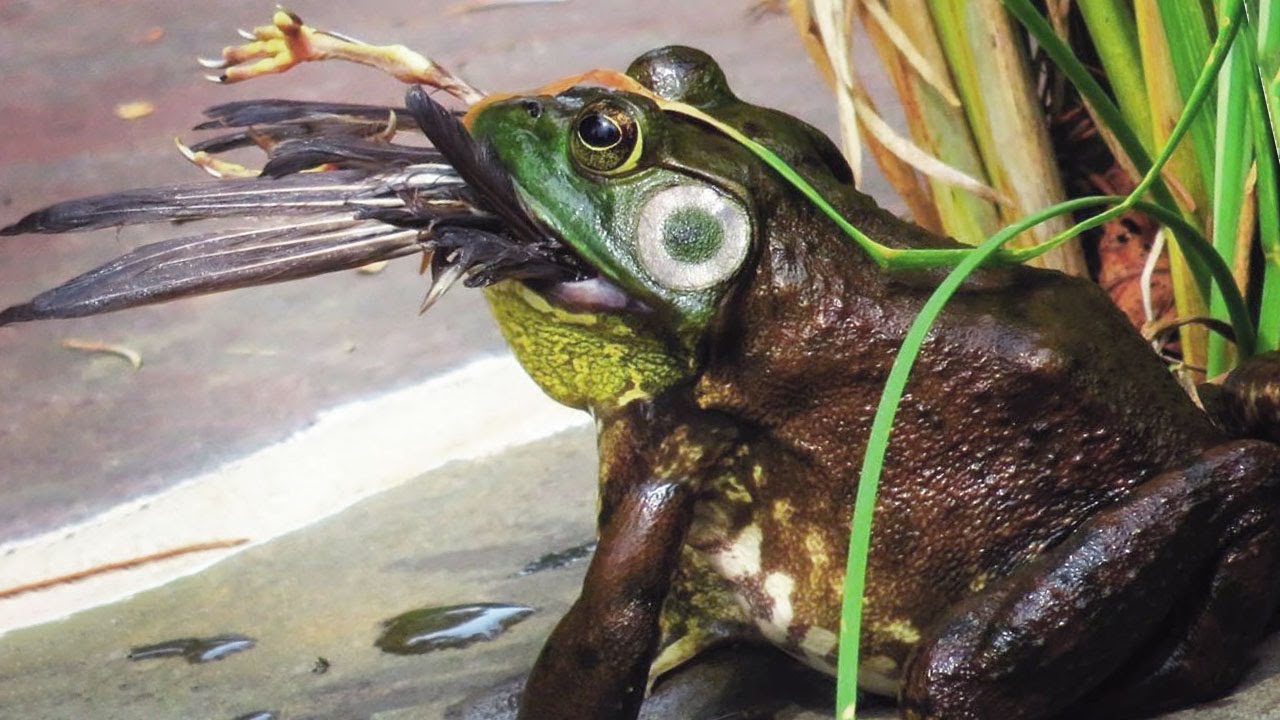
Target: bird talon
{"x": 212, "y": 63}
{"x": 214, "y": 166}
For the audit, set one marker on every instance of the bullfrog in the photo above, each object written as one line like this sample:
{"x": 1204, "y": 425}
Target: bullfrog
{"x": 1060, "y": 530}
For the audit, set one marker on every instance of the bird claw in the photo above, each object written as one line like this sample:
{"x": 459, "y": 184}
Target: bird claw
{"x": 212, "y": 165}
{"x": 270, "y": 49}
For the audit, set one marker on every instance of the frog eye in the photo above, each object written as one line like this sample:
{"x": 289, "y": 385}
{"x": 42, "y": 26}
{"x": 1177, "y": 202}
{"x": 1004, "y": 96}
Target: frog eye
{"x": 691, "y": 237}
{"x": 606, "y": 138}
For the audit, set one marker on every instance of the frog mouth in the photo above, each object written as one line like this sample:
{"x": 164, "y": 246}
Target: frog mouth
{"x": 451, "y": 202}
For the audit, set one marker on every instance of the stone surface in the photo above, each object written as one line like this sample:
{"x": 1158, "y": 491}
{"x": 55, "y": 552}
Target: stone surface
{"x": 457, "y": 535}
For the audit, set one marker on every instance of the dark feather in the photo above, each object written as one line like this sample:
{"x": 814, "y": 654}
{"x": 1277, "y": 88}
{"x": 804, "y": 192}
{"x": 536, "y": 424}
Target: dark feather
{"x": 292, "y": 156}
{"x": 221, "y": 261}
{"x": 475, "y": 163}
{"x": 388, "y": 200}
{"x": 312, "y": 193}
{"x": 251, "y": 138}
{"x": 273, "y": 121}
{"x": 247, "y": 113}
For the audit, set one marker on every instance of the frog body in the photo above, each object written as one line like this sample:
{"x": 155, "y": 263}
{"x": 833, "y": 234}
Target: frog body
{"x": 1037, "y": 436}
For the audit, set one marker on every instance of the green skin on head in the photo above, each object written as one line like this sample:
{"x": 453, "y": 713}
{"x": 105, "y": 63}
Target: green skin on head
{"x": 1059, "y": 530}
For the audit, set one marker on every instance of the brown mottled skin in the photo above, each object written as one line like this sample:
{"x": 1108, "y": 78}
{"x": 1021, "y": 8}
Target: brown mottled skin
{"x": 1060, "y": 532}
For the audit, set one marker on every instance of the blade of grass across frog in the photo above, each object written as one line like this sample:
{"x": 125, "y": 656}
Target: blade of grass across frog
{"x": 883, "y": 255}
{"x": 878, "y": 444}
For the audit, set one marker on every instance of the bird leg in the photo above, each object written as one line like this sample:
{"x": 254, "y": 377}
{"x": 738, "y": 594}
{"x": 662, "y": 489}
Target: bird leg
{"x": 288, "y": 42}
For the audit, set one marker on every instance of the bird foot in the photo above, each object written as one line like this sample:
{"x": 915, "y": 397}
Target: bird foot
{"x": 288, "y": 42}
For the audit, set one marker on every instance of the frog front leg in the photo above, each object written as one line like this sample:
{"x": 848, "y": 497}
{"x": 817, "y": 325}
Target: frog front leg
{"x": 1153, "y": 603}
{"x": 596, "y": 662}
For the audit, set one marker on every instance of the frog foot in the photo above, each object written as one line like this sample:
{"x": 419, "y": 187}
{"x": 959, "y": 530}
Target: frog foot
{"x": 1153, "y": 603}
{"x": 288, "y": 42}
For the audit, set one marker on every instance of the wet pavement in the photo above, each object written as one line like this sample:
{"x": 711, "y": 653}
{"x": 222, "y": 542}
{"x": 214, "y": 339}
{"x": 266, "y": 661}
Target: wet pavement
{"x": 314, "y": 603}
{"x": 227, "y": 375}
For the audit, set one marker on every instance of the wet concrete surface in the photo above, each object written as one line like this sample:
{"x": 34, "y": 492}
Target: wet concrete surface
{"x": 314, "y": 602}
{"x": 460, "y": 535}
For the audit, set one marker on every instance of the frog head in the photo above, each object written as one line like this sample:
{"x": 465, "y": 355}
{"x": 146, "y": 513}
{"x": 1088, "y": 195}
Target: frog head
{"x": 668, "y": 214}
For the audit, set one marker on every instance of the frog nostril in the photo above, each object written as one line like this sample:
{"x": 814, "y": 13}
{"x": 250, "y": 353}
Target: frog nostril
{"x": 534, "y": 108}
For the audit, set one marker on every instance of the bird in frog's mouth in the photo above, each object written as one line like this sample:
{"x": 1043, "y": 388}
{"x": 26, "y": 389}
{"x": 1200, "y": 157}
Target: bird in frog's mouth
{"x": 336, "y": 193}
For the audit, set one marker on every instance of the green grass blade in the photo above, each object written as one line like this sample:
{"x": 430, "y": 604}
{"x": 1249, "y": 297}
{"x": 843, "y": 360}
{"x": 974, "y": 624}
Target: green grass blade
{"x": 1266, "y": 140}
{"x": 1115, "y": 35}
{"x": 878, "y": 444}
{"x": 895, "y": 386}
{"x": 1088, "y": 87}
{"x": 1187, "y": 33}
{"x": 1233, "y": 151}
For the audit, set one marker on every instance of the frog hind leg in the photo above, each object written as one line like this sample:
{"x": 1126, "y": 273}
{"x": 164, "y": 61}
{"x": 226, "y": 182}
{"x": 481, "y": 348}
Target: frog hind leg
{"x": 1247, "y": 403}
{"x": 1153, "y": 603}
{"x": 700, "y": 612}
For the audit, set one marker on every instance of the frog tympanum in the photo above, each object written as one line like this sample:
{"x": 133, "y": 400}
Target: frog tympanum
{"x": 1060, "y": 531}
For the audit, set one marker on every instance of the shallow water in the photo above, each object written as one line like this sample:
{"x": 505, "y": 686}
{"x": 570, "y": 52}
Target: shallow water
{"x": 439, "y": 628}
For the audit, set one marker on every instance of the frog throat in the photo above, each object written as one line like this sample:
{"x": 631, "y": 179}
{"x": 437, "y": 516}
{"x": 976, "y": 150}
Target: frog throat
{"x": 589, "y": 361}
